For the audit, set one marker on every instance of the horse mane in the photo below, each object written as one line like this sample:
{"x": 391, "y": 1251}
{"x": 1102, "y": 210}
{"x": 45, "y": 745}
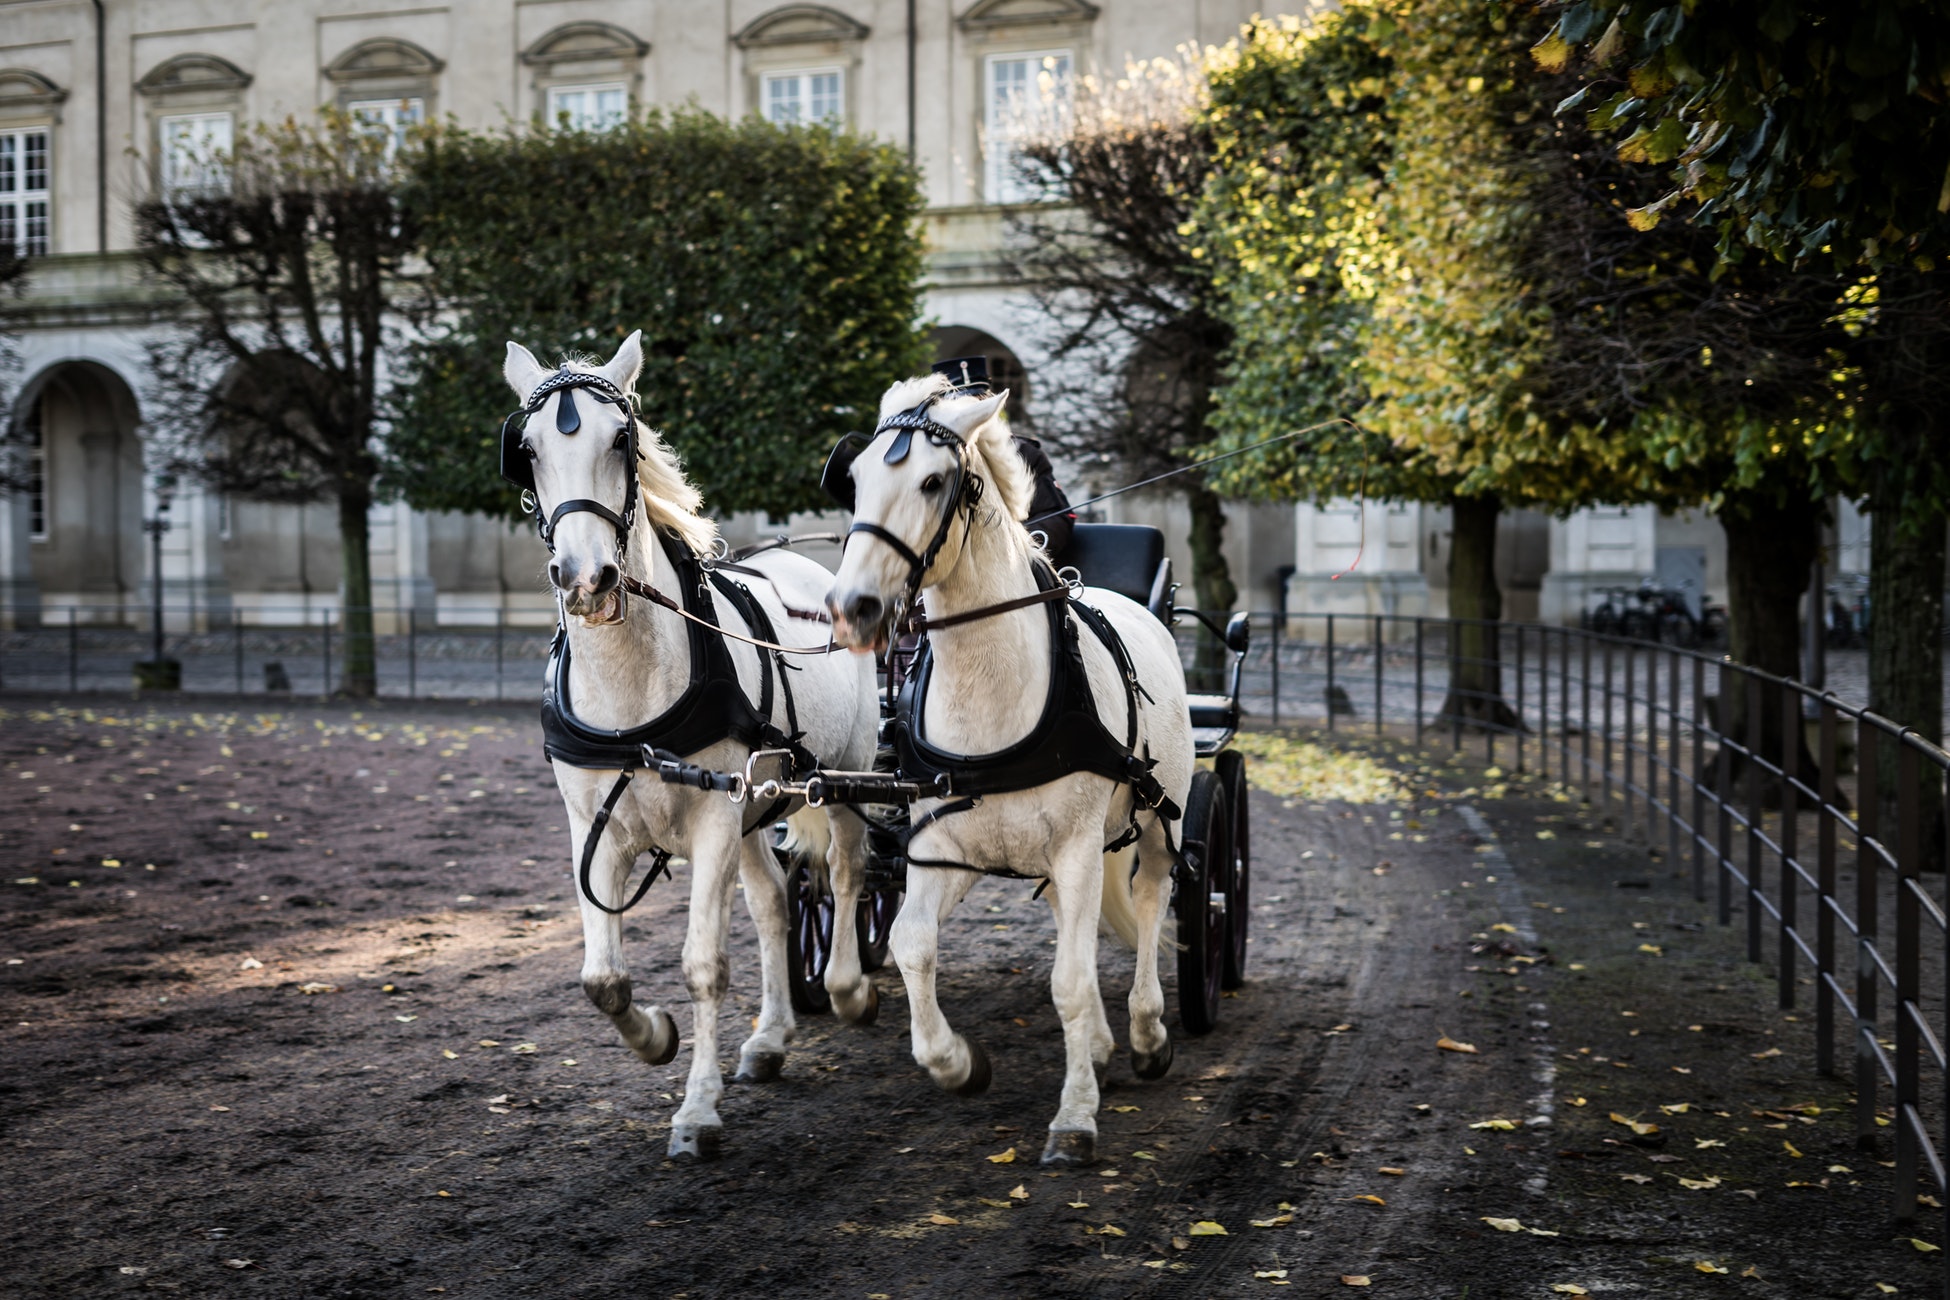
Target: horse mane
{"x": 994, "y": 446}
{"x": 669, "y": 499}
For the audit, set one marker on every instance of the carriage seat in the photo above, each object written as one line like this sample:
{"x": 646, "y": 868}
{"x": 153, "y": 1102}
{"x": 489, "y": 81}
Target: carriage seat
{"x": 1128, "y": 559}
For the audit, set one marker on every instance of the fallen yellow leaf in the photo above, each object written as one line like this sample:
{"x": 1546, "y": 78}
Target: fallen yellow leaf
{"x": 1643, "y": 1130}
{"x": 1707, "y": 1266}
{"x": 1354, "y": 1279}
{"x": 1791, "y": 1149}
{"x": 1503, "y": 927}
{"x": 1108, "y": 1230}
{"x": 1207, "y": 1228}
{"x": 1005, "y": 1158}
{"x": 1504, "y": 1225}
{"x": 1652, "y": 950}
{"x": 315, "y": 987}
{"x": 1700, "y": 1184}
{"x": 943, "y": 1220}
{"x": 1922, "y": 1245}
{"x": 1391, "y": 1170}
{"x": 1449, "y": 1044}
{"x": 1018, "y": 1193}
{"x": 1500, "y": 1125}
{"x": 1271, "y": 1273}
{"x": 1885, "y": 1288}
{"x": 1368, "y": 1199}
{"x": 1568, "y": 1288}
{"x": 1125, "y": 1110}
{"x": 1637, "y": 1178}
{"x": 449, "y": 1054}
{"x": 1770, "y": 1052}
{"x": 1575, "y": 1101}
{"x": 1277, "y": 1221}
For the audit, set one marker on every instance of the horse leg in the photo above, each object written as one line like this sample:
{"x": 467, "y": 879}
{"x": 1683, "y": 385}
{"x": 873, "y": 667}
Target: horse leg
{"x": 1078, "y": 871}
{"x": 1150, "y": 1044}
{"x": 695, "y": 1130}
{"x": 956, "y": 1064}
{"x": 651, "y": 1034}
{"x": 854, "y": 997}
{"x": 763, "y": 1055}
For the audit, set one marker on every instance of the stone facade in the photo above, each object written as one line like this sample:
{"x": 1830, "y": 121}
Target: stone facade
{"x": 192, "y": 71}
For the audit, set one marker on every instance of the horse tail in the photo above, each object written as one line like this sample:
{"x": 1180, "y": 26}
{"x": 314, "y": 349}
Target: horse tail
{"x": 807, "y": 837}
{"x": 1119, "y": 912}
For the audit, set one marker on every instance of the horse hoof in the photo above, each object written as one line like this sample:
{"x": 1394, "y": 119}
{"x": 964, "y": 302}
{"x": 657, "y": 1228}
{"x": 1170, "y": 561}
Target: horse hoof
{"x": 871, "y": 1012}
{"x": 979, "y": 1073}
{"x": 665, "y": 1032}
{"x": 760, "y": 1067}
{"x": 1151, "y": 1065}
{"x": 695, "y": 1141}
{"x": 1070, "y": 1146}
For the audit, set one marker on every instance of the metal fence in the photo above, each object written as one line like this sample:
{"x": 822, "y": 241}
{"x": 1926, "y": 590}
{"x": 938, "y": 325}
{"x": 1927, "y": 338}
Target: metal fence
{"x": 1821, "y": 824}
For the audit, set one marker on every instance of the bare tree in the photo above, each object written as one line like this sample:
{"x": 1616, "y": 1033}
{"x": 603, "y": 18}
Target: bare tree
{"x": 287, "y": 259}
{"x": 1128, "y": 305}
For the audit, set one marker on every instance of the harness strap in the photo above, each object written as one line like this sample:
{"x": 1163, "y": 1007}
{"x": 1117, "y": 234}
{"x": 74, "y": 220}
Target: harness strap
{"x": 659, "y": 866}
{"x": 921, "y": 623}
{"x": 637, "y": 587}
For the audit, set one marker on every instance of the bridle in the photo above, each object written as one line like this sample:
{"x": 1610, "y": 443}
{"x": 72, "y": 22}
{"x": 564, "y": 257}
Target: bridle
{"x": 518, "y": 467}
{"x": 961, "y": 499}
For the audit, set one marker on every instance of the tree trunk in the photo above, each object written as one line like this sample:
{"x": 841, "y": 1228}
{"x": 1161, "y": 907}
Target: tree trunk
{"x": 1212, "y": 585}
{"x": 1475, "y": 608}
{"x": 1906, "y": 576}
{"x": 355, "y": 551}
{"x": 1771, "y": 545}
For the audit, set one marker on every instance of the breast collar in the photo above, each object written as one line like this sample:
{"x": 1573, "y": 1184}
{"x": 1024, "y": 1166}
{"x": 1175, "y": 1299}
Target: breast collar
{"x": 713, "y": 706}
{"x": 1070, "y": 737}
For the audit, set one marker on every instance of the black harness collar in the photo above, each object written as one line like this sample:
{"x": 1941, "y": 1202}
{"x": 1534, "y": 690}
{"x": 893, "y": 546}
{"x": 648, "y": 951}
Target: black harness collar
{"x": 1070, "y": 736}
{"x": 712, "y": 708}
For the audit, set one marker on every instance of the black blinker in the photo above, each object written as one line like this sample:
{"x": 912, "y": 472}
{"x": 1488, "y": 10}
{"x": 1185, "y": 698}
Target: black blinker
{"x": 836, "y": 480}
{"x": 516, "y": 467}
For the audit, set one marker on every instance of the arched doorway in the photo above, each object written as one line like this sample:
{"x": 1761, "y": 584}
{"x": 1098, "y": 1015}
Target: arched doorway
{"x": 1005, "y": 370}
{"x": 76, "y": 426}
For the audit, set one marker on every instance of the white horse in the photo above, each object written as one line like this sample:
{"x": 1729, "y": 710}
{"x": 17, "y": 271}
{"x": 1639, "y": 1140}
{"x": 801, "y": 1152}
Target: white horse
{"x": 629, "y": 659}
{"x": 987, "y": 691}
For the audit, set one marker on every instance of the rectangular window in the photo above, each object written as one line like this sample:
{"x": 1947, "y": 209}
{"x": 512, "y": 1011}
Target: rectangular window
{"x": 195, "y": 154}
{"x": 1027, "y": 94}
{"x": 797, "y": 98}
{"x": 24, "y": 191}
{"x": 392, "y": 118}
{"x": 586, "y": 108}
{"x": 36, "y": 474}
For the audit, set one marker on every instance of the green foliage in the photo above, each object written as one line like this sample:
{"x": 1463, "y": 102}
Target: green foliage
{"x": 1302, "y": 133}
{"x": 775, "y": 272}
{"x": 1812, "y": 130}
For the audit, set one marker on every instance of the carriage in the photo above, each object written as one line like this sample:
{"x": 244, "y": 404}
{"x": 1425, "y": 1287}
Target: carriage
{"x": 1212, "y": 887}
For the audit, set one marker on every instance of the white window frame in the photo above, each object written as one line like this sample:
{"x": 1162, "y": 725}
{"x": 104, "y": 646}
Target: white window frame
{"x": 395, "y": 116}
{"x": 999, "y": 181}
{"x": 590, "y": 122}
{"x": 211, "y": 172}
{"x": 19, "y": 218}
{"x": 803, "y": 98}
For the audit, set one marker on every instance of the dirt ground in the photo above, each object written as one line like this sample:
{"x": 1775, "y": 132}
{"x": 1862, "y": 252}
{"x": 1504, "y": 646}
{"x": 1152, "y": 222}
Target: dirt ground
{"x": 290, "y": 1009}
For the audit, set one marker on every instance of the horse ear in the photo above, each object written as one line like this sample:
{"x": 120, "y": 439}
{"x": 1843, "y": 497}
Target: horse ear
{"x": 522, "y": 371}
{"x": 624, "y": 367}
{"x": 965, "y": 418}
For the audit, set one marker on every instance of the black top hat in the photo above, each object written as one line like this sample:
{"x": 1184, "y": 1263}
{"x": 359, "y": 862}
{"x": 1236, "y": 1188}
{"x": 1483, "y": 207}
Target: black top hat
{"x": 971, "y": 374}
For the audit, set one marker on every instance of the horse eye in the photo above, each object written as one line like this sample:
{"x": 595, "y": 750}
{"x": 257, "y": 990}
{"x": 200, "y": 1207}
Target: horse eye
{"x": 932, "y": 483}
{"x": 528, "y": 449}
{"x": 622, "y": 442}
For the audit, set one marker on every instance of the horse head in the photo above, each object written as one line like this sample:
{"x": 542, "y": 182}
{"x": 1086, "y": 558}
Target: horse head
{"x": 574, "y": 445}
{"x": 915, "y": 489}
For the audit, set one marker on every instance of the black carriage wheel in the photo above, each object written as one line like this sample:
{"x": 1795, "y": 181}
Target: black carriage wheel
{"x": 1231, "y": 767}
{"x": 808, "y": 939}
{"x": 1200, "y": 904}
{"x": 878, "y": 907}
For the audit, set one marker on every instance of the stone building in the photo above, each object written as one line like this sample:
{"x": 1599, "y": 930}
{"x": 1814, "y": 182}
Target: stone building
{"x": 100, "y": 104}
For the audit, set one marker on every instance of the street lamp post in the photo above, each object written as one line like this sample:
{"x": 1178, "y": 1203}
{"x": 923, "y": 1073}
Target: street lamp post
{"x": 157, "y": 673}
